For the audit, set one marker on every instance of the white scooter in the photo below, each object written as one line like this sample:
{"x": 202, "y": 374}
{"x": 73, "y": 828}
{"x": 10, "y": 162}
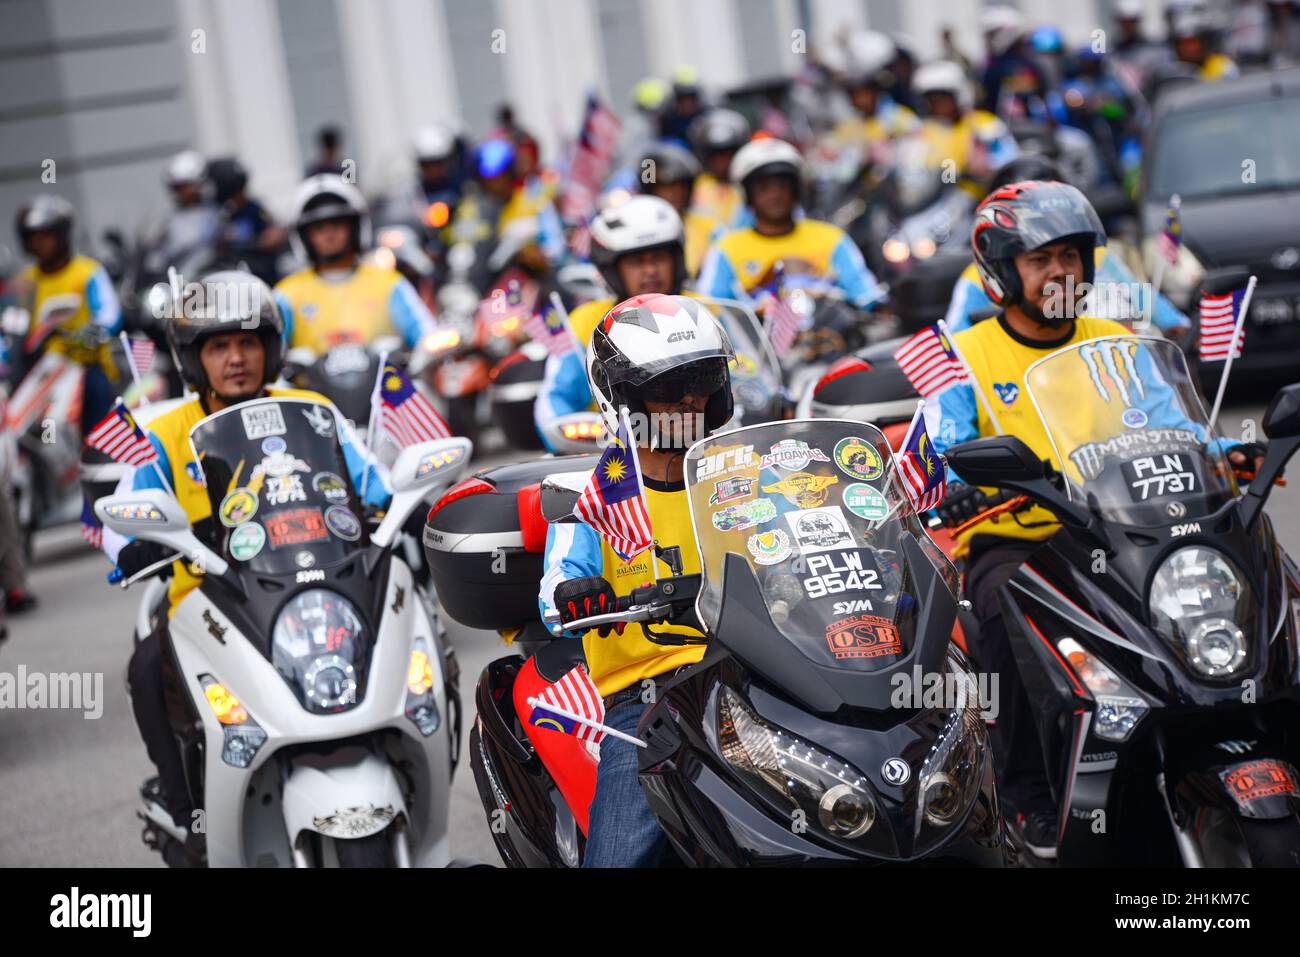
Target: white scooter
{"x": 318, "y": 717}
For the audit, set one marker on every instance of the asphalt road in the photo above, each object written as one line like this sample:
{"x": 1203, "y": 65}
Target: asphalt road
{"x": 70, "y": 783}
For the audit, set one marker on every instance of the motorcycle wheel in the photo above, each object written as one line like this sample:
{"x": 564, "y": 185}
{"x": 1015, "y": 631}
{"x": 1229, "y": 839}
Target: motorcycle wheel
{"x": 462, "y": 416}
{"x": 1227, "y": 840}
{"x": 375, "y": 850}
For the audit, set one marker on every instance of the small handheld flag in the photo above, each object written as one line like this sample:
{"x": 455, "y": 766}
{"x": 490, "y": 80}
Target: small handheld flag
{"x": 613, "y": 503}
{"x": 118, "y": 437}
{"x": 929, "y": 362}
{"x": 921, "y": 469}
{"x": 782, "y": 324}
{"x": 92, "y": 530}
{"x": 404, "y": 413}
{"x": 1220, "y": 334}
{"x": 550, "y": 329}
{"x": 571, "y": 705}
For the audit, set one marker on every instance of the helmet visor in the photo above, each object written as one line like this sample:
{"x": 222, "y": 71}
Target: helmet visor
{"x": 703, "y": 378}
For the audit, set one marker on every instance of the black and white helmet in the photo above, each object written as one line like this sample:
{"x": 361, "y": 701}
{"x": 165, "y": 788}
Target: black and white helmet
{"x": 434, "y": 143}
{"x": 638, "y": 223}
{"x": 323, "y": 197}
{"x": 660, "y": 348}
{"x": 716, "y": 131}
{"x": 225, "y": 301}
{"x": 45, "y": 212}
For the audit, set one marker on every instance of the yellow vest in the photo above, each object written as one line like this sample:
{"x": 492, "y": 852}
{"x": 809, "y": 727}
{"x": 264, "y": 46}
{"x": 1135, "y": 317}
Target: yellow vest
{"x": 70, "y": 281}
{"x": 806, "y": 249}
{"x": 698, "y": 229}
{"x": 999, "y": 363}
{"x": 172, "y": 429}
{"x": 717, "y": 199}
{"x": 325, "y": 313}
{"x": 620, "y": 661}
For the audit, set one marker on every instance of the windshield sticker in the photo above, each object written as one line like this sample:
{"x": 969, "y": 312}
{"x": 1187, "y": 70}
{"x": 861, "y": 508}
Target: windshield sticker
{"x": 1116, "y": 359}
{"x": 819, "y": 529}
{"x": 1090, "y": 458}
{"x": 263, "y": 420}
{"x": 331, "y": 486}
{"x": 1135, "y": 418}
{"x": 720, "y": 463}
{"x": 321, "y": 422}
{"x": 863, "y": 636}
{"x": 791, "y": 455}
{"x": 769, "y": 548}
{"x": 803, "y": 489}
{"x": 343, "y": 523}
{"x": 237, "y": 507}
{"x": 727, "y": 490}
{"x": 735, "y": 517}
{"x": 834, "y": 573}
{"x": 280, "y": 463}
{"x": 273, "y": 445}
{"x": 1155, "y": 476}
{"x": 246, "y": 541}
{"x": 296, "y": 526}
{"x": 857, "y": 458}
{"x": 865, "y": 502}
{"x": 283, "y": 489}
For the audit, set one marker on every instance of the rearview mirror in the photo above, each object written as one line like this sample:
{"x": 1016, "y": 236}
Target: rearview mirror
{"x": 417, "y": 469}
{"x": 1282, "y": 419}
{"x": 995, "y": 460}
{"x": 559, "y": 494}
{"x": 1218, "y": 282}
{"x": 155, "y": 516}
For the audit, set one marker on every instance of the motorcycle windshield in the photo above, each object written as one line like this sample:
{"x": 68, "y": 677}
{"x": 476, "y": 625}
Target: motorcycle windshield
{"x": 1129, "y": 431}
{"x": 813, "y": 507}
{"x": 278, "y": 485}
{"x": 756, "y": 373}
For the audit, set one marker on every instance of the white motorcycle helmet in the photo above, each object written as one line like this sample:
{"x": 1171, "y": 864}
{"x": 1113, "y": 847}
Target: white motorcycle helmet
{"x": 637, "y": 223}
{"x": 328, "y": 196}
{"x": 869, "y": 53}
{"x": 188, "y": 166}
{"x": 660, "y": 348}
{"x": 944, "y": 76}
{"x": 770, "y": 157}
{"x": 433, "y": 144}
{"x": 1002, "y": 26}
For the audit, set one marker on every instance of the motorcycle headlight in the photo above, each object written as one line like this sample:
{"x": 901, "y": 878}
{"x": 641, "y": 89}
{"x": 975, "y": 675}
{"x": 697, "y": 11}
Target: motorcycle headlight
{"x": 420, "y": 707}
{"x": 242, "y": 737}
{"x": 831, "y": 792}
{"x": 1119, "y": 708}
{"x": 318, "y": 645}
{"x": 1204, "y": 608}
{"x": 950, "y": 775}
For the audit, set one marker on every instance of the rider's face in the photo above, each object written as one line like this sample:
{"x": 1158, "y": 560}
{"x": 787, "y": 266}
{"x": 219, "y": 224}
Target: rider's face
{"x": 772, "y": 197}
{"x": 941, "y": 105}
{"x": 678, "y": 423}
{"x": 233, "y": 363}
{"x": 186, "y": 194}
{"x": 864, "y": 99}
{"x": 646, "y": 271}
{"x": 329, "y": 239}
{"x": 44, "y": 245}
{"x": 1044, "y": 272}
{"x": 719, "y": 163}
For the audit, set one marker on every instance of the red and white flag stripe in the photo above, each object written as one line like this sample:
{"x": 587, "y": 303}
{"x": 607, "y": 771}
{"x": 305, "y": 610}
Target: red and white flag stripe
{"x": 577, "y": 694}
{"x": 928, "y": 365}
{"x": 120, "y": 442}
{"x": 1218, "y": 325}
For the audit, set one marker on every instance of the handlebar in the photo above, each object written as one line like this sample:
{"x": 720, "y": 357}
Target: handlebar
{"x": 649, "y": 603}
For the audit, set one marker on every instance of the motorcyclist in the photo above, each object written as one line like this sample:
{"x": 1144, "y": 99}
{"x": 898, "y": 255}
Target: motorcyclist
{"x": 1028, "y": 239}
{"x": 638, "y": 360}
{"x": 715, "y": 137}
{"x": 59, "y": 280}
{"x": 976, "y": 141}
{"x": 246, "y": 232}
{"x": 1011, "y": 80}
{"x": 192, "y": 223}
{"x": 878, "y": 119}
{"x": 437, "y": 158}
{"x": 745, "y": 263}
{"x": 341, "y": 297}
{"x": 969, "y": 297}
{"x": 686, "y": 106}
{"x": 227, "y": 342}
{"x": 670, "y": 172}
{"x": 1193, "y": 38}
{"x": 638, "y": 248}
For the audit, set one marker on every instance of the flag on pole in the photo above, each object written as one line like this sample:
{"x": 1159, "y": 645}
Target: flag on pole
{"x": 404, "y": 413}
{"x": 929, "y": 362}
{"x": 782, "y": 324}
{"x": 574, "y": 694}
{"x": 1171, "y": 237}
{"x": 118, "y": 437}
{"x": 613, "y": 503}
{"x": 1219, "y": 325}
{"x": 922, "y": 470}
{"x": 588, "y": 169}
{"x": 92, "y": 530}
{"x": 142, "y": 351}
{"x": 549, "y": 328}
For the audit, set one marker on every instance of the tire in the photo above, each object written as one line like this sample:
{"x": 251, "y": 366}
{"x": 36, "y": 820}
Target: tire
{"x": 462, "y": 416}
{"x": 1226, "y": 840}
{"x": 375, "y": 850}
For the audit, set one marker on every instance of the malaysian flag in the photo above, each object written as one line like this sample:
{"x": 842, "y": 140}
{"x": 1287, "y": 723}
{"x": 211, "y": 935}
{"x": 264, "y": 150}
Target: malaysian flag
{"x": 142, "y": 351}
{"x": 930, "y": 362}
{"x": 1171, "y": 236}
{"x": 1219, "y": 325}
{"x": 549, "y": 328}
{"x": 922, "y": 470}
{"x": 588, "y": 168}
{"x": 782, "y": 324}
{"x": 91, "y": 528}
{"x": 558, "y": 703}
{"x": 118, "y": 437}
{"x": 613, "y": 503}
{"x": 404, "y": 413}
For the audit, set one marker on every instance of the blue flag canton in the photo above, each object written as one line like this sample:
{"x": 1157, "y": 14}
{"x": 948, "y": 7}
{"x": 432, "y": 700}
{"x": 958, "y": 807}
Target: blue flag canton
{"x": 616, "y": 472}
{"x": 554, "y": 321}
{"x": 926, "y": 456}
{"x": 394, "y": 387}
{"x": 543, "y": 717}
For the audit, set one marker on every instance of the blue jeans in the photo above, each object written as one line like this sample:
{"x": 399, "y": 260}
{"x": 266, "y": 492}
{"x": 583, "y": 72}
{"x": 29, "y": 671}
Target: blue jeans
{"x": 621, "y": 830}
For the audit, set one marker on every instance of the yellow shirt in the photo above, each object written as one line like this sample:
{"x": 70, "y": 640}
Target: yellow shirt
{"x": 698, "y": 229}
{"x": 750, "y": 257}
{"x": 71, "y": 287}
{"x": 998, "y": 363}
{"x": 717, "y": 199}
{"x": 323, "y": 312}
{"x": 620, "y": 661}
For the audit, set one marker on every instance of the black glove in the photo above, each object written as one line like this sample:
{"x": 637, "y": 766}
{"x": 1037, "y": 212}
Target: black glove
{"x": 1250, "y": 451}
{"x": 961, "y": 503}
{"x": 583, "y": 597}
{"x": 138, "y": 555}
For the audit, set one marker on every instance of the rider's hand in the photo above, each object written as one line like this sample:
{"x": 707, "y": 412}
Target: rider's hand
{"x": 1248, "y": 457}
{"x": 138, "y": 555}
{"x": 963, "y": 502}
{"x": 583, "y": 597}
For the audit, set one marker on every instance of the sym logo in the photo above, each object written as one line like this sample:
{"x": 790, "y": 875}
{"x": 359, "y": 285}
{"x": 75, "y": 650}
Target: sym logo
{"x": 1190, "y": 528}
{"x": 843, "y": 608}
{"x": 896, "y": 772}
{"x": 314, "y": 575}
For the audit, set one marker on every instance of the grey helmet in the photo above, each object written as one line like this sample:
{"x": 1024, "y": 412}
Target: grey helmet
{"x": 221, "y": 302}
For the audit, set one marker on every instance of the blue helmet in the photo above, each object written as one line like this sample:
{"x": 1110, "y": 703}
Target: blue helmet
{"x": 494, "y": 157}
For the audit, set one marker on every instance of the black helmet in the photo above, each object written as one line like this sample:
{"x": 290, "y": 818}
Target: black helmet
{"x": 1024, "y": 216}
{"x": 1024, "y": 167}
{"x": 221, "y": 302}
{"x": 717, "y": 130}
{"x": 44, "y": 213}
{"x": 669, "y": 163}
{"x": 228, "y": 177}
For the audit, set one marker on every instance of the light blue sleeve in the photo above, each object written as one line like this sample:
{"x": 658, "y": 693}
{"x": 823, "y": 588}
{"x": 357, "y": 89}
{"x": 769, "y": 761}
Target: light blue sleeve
{"x": 717, "y": 278}
{"x": 408, "y": 313}
{"x": 852, "y": 274}
{"x": 967, "y": 299}
{"x": 286, "y": 313}
{"x": 102, "y": 302}
{"x": 1167, "y": 316}
{"x": 572, "y": 551}
{"x": 550, "y": 234}
{"x": 146, "y": 476}
{"x": 564, "y": 390}
{"x": 361, "y": 461}
{"x": 951, "y": 417}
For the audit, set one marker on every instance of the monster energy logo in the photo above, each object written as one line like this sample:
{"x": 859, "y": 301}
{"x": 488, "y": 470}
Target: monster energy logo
{"x": 1110, "y": 355}
{"x": 1090, "y": 459}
